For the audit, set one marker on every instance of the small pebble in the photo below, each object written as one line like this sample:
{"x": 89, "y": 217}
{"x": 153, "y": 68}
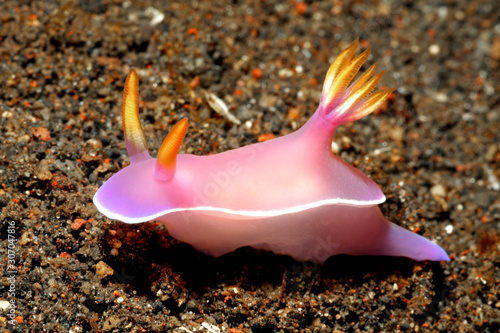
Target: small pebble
{"x": 103, "y": 270}
{"x": 23, "y": 139}
{"x": 4, "y": 305}
{"x": 434, "y": 49}
{"x": 438, "y": 191}
{"x": 41, "y": 133}
{"x": 78, "y": 223}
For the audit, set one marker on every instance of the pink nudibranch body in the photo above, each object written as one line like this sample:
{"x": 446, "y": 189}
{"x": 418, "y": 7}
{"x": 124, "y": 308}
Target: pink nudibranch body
{"x": 290, "y": 195}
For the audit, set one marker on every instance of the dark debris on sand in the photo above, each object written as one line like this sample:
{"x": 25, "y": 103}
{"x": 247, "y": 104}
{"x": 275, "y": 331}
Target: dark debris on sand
{"x": 434, "y": 150}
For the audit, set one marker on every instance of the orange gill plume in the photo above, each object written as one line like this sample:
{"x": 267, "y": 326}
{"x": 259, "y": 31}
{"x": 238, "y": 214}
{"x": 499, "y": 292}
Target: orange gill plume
{"x": 137, "y": 146}
{"x": 167, "y": 154}
{"x": 343, "y": 103}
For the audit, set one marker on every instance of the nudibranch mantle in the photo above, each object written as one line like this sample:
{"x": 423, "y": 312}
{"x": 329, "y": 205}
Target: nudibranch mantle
{"x": 290, "y": 195}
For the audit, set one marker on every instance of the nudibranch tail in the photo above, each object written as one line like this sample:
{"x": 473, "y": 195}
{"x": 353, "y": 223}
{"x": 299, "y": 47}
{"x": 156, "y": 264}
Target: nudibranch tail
{"x": 135, "y": 140}
{"x": 167, "y": 154}
{"x": 398, "y": 241}
{"x": 341, "y": 103}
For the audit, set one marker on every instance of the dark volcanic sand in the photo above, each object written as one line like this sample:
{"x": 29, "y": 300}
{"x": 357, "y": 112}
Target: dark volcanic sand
{"x": 434, "y": 150}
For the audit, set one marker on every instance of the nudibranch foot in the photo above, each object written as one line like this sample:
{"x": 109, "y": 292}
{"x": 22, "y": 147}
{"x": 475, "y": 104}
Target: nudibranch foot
{"x": 317, "y": 240}
{"x": 290, "y": 195}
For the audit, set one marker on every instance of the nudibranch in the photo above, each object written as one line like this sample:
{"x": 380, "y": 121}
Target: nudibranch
{"x": 290, "y": 195}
